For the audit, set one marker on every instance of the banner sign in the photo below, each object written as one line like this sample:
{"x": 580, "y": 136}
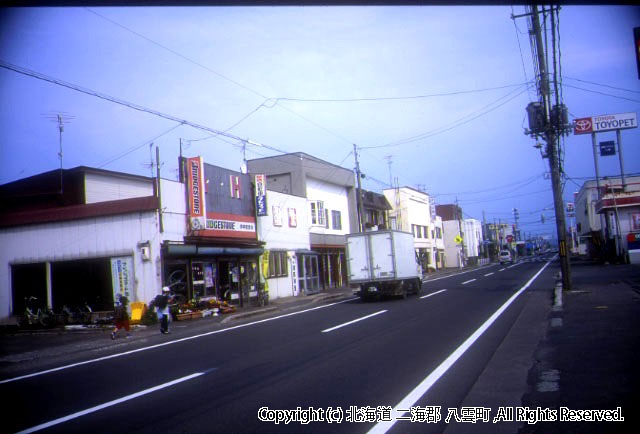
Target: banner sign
{"x": 261, "y": 195}
{"x": 602, "y": 123}
{"x": 122, "y": 277}
{"x": 230, "y": 225}
{"x": 195, "y": 184}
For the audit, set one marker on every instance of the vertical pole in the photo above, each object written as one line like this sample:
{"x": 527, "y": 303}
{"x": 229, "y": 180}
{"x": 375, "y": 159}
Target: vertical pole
{"x": 620, "y": 156}
{"x": 161, "y": 224}
{"x": 180, "y": 165}
{"x": 359, "y": 193}
{"x": 552, "y": 152}
{"x": 60, "y": 128}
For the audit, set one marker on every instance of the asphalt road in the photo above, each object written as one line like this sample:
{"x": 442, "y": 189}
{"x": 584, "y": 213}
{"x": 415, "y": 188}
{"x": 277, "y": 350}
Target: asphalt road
{"x": 427, "y": 350}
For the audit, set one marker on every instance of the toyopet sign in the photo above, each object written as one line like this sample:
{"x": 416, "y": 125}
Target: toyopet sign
{"x": 597, "y": 124}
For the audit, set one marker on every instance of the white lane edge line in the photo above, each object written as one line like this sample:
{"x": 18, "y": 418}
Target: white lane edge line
{"x": 188, "y": 338}
{"x": 453, "y": 275}
{"x": 469, "y": 281}
{"x": 352, "y": 322}
{"x": 488, "y": 274}
{"x": 422, "y": 388}
{"x": 108, "y": 404}
{"x": 433, "y": 293}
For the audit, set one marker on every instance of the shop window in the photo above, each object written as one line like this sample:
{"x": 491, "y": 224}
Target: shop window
{"x": 317, "y": 213}
{"x": 278, "y": 264}
{"x": 336, "y": 220}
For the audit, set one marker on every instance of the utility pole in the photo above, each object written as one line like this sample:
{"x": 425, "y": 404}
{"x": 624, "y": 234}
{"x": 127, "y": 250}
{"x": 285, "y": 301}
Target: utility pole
{"x": 359, "y": 192}
{"x": 550, "y": 126}
{"x": 516, "y": 216}
{"x": 60, "y": 129}
{"x": 158, "y": 191}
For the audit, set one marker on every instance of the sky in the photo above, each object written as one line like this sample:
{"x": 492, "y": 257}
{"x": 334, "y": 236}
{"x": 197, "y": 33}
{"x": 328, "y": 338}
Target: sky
{"x": 433, "y": 97}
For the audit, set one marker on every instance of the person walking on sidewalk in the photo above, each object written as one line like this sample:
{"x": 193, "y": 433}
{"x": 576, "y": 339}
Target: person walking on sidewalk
{"x": 162, "y": 304}
{"x": 121, "y": 317}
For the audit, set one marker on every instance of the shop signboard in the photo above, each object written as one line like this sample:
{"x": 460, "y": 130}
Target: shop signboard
{"x": 122, "y": 277}
{"x": 261, "y": 195}
{"x": 597, "y": 124}
{"x": 195, "y": 184}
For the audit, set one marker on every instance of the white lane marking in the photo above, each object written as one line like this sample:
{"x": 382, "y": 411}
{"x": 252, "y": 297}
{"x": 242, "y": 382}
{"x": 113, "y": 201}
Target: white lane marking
{"x": 454, "y": 275}
{"x": 112, "y": 356}
{"x": 468, "y": 281}
{"x": 352, "y": 322}
{"x": 433, "y": 293}
{"x": 502, "y": 269}
{"x": 515, "y": 265}
{"x": 488, "y": 274}
{"x": 109, "y": 404}
{"x": 422, "y": 388}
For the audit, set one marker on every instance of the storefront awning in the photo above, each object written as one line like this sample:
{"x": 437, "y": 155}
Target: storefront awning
{"x": 193, "y": 250}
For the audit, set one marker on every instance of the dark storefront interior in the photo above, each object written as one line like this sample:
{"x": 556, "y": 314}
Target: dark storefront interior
{"x": 73, "y": 283}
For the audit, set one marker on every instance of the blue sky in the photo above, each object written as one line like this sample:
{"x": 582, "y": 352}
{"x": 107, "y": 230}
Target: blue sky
{"x": 457, "y": 135}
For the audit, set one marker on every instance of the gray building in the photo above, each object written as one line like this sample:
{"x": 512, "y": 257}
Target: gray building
{"x": 331, "y": 195}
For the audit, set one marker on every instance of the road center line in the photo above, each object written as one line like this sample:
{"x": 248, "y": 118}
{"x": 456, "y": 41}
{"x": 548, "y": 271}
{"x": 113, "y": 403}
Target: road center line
{"x": 502, "y": 269}
{"x": 188, "y": 338}
{"x": 433, "y": 293}
{"x": 109, "y": 404}
{"x": 468, "y": 281}
{"x": 422, "y": 388}
{"x": 488, "y": 274}
{"x": 351, "y": 322}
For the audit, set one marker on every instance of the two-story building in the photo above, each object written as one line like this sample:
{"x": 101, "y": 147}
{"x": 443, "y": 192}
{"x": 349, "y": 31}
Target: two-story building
{"x": 331, "y": 208}
{"x": 454, "y": 242}
{"x": 291, "y": 267}
{"x": 412, "y": 212}
{"x": 473, "y": 241}
{"x": 608, "y": 220}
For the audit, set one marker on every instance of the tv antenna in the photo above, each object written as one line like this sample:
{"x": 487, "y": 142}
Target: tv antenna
{"x": 60, "y": 118}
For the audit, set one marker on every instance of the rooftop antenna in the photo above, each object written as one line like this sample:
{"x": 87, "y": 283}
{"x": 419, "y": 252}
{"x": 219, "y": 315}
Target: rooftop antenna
{"x": 60, "y": 118}
{"x": 150, "y": 164}
{"x": 388, "y": 158}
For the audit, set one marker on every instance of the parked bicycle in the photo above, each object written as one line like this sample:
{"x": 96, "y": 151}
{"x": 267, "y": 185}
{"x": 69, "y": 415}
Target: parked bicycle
{"x": 78, "y": 315}
{"x": 36, "y": 316}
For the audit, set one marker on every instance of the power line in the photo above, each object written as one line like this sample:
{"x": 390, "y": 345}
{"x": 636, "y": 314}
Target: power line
{"x": 602, "y": 85}
{"x": 457, "y": 123}
{"x": 134, "y": 106}
{"x": 599, "y": 93}
{"x": 138, "y": 147}
{"x": 395, "y": 98}
{"x": 255, "y": 92}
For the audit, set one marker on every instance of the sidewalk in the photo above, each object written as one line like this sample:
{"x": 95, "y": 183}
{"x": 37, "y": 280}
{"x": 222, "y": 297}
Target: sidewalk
{"x": 590, "y": 355}
{"x": 33, "y": 347}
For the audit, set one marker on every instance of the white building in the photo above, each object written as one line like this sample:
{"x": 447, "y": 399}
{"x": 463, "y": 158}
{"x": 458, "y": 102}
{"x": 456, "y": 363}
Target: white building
{"x": 412, "y": 212}
{"x": 330, "y": 193}
{"x": 608, "y": 221}
{"x": 84, "y": 235}
{"x": 285, "y": 232}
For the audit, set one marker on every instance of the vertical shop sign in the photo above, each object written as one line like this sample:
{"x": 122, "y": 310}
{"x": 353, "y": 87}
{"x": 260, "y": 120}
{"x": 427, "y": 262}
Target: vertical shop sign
{"x": 261, "y": 195}
{"x": 294, "y": 274}
{"x": 122, "y": 277}
{"x": 197, "y": 209}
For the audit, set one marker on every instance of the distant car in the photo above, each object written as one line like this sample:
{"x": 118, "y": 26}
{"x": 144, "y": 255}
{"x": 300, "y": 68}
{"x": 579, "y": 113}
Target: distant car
{"x": 505, "y": 256}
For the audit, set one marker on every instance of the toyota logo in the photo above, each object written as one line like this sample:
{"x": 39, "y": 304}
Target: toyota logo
{"x": 583, "y": 125}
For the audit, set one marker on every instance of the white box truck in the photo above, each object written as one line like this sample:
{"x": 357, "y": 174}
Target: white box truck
{"x": 383, "y": 263}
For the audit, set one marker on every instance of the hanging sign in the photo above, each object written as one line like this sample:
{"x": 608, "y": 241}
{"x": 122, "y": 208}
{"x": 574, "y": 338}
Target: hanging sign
{"x": 195, "y": 184}
{"x": 261, "y": 195}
